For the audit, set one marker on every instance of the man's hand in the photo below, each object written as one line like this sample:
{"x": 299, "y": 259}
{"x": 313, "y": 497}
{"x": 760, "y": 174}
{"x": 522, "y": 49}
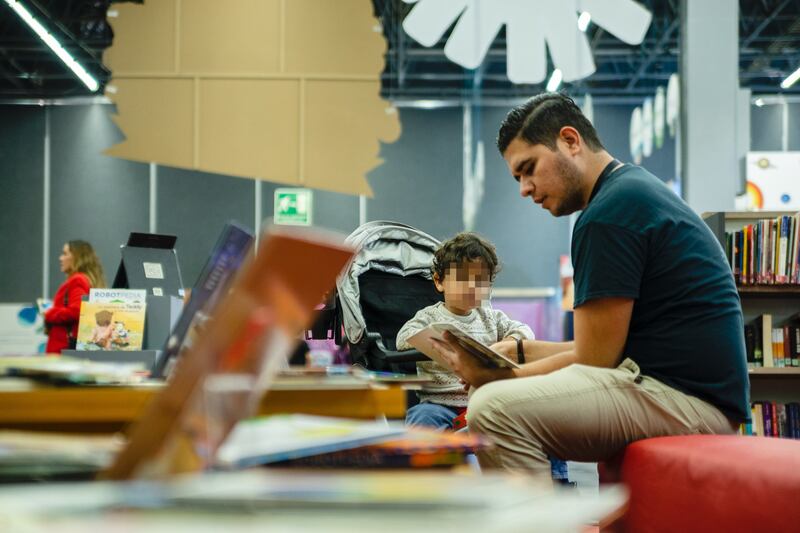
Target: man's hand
{"x": 506, "y": 347}
{"x": 467, "y": 367}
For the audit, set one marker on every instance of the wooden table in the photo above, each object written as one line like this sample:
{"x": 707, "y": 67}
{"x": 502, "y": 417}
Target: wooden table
{"x": 25, "y": 405}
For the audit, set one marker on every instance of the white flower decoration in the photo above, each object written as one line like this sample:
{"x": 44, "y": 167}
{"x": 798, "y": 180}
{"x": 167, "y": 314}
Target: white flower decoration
{"x": 530, "y": 26}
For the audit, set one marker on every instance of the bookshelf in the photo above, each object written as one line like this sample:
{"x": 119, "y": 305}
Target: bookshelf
{"x": 781, "y": 301}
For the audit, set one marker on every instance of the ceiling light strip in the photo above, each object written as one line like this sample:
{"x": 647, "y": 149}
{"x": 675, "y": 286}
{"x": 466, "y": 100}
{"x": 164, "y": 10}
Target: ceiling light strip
{"x": 54, "y": 45}
{"x": 555, "y": 81}
{"x": 791, "y": 79}
{"x": 584, "y": 20}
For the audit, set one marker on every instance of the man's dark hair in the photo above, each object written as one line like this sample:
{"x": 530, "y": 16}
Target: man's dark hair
{"x": 540, "y": 119}
{"x": 465, "y": 247}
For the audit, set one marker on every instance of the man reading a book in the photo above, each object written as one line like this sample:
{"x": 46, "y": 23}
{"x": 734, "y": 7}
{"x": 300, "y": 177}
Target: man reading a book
{"x": 659, "y": 347}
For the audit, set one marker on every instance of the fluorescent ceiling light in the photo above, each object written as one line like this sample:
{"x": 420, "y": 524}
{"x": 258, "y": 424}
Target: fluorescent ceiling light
{"x": 791, "y": 79}
{"x": 584, "y": 20}
{"x": 427, "y": 104}
{"x": 555, "y": 81}
{"x": 54, "y": 45}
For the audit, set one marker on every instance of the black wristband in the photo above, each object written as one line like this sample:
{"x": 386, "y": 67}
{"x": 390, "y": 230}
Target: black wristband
{"x": 520, "y": 352}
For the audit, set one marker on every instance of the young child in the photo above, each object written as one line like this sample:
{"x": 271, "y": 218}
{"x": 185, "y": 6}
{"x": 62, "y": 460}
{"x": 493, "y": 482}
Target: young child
{"x": 464, "y": 268}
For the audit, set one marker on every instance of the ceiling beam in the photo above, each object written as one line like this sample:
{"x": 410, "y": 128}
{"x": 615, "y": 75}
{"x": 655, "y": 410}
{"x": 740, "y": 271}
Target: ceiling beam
{"x": 654, "y": 53}
{"x": 764, "y": 23}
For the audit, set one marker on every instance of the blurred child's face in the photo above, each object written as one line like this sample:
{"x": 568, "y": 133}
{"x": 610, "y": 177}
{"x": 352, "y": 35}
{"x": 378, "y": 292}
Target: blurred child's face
{"x": 465, "y": 285}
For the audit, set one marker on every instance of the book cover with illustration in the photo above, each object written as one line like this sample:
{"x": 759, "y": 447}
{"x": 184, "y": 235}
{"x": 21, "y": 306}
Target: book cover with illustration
{"x": 114, "y": 325}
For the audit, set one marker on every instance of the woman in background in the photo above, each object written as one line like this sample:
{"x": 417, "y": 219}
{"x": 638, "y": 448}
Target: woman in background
{"x": 83, "y": 270}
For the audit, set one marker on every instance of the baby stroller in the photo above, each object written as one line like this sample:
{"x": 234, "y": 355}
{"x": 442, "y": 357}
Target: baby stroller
{"x": 387, "y": 282}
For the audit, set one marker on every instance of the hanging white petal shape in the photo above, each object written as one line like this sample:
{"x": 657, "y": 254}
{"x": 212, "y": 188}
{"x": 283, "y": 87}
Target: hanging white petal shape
{"x": 532, "y": 28}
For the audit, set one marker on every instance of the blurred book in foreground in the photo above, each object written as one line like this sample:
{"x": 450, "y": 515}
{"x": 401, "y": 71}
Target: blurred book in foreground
{"x": 28, "y": 455}
{"x": 417, "y": 448}
{"x": 276, "y": 438}
{"x": 70, "y": 371}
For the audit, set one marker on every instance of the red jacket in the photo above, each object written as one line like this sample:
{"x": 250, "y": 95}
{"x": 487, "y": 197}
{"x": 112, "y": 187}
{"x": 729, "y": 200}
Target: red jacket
{"x": 62, "y": 318}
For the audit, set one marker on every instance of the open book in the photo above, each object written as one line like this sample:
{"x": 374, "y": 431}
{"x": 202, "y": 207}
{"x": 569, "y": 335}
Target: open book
{"x": 422, "y": 342}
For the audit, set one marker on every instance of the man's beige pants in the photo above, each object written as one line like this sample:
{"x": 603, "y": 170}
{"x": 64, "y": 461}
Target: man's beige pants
{"x": 581, "y": 413}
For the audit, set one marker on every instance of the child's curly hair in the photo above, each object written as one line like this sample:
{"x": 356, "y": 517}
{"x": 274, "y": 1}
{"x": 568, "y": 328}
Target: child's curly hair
{"x": 465, "y": 246}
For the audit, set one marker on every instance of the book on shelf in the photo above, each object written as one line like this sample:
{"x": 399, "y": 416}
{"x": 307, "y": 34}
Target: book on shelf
{"x": 772, "y": 347}
{"x": 773, "y": 419}
{"x": 766, "y": 252}
{"x": 762, "y": 327}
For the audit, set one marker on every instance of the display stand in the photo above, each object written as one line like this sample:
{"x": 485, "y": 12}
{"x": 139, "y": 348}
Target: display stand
{"x": 150, "y": 262}
{"x": 160, "y": 317}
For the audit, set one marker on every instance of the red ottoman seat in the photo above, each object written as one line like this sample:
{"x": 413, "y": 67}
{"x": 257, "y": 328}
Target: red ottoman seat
{"x": 710, "y": 483}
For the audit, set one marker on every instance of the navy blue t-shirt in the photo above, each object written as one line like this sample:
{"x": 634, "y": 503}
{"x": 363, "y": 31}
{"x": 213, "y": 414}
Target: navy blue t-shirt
{"x": 637, "y": 239}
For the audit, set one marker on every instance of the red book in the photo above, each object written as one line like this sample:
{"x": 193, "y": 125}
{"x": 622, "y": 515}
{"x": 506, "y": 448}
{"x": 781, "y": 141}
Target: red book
{"x": 774, "y": 416}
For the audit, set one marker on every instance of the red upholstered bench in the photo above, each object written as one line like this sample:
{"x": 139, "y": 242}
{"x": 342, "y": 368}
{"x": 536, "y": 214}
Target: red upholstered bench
{"x": 709, "y": 483}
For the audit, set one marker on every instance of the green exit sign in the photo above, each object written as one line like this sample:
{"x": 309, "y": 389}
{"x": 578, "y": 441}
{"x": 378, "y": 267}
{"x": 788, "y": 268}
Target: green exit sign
{"x": 293, "y": 206}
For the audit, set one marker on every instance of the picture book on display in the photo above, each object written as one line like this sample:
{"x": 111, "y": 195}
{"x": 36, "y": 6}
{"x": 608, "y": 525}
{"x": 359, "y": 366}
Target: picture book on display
{"x": 112, "y": 325}
{"x": 490, "y": 358}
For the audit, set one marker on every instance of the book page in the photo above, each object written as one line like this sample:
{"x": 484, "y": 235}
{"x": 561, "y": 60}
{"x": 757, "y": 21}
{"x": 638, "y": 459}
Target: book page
{"x": 422, "y": 342}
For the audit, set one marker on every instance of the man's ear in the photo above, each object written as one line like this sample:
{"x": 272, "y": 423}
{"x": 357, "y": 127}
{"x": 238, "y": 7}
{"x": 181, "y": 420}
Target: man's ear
{"x": 571, "y": 138}
{"x": 437, "y": 282}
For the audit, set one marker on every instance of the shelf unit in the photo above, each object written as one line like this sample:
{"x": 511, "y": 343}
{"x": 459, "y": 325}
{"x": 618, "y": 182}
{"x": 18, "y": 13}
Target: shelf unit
{"x": 781, "y": 301}
{"x": 769, "y": 290}
{"x": 775, "y": 372}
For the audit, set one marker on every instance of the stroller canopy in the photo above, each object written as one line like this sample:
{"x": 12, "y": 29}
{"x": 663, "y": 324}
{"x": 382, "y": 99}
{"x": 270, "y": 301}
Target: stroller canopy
{"x": 386, "y": 247}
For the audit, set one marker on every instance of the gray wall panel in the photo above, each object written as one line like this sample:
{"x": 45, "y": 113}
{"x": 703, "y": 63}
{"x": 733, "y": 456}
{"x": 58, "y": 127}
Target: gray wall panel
{"x": 21, "y": 202}
{"x": 613, "y": 125}
{"x": 335, "y": 211}
{"x": 794, "y": 126}
{"x": 420, "y": 181}
{"x": 529, "y": 239}
{"x": 93, "y": 197}
{"x": 195, "y": 206}
{"x": 765, "y": 128}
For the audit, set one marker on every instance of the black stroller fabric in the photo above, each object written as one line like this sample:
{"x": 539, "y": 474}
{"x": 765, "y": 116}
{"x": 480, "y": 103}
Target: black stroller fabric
{"x": 387, "y": 282}
{"x": 389, "y": 301}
